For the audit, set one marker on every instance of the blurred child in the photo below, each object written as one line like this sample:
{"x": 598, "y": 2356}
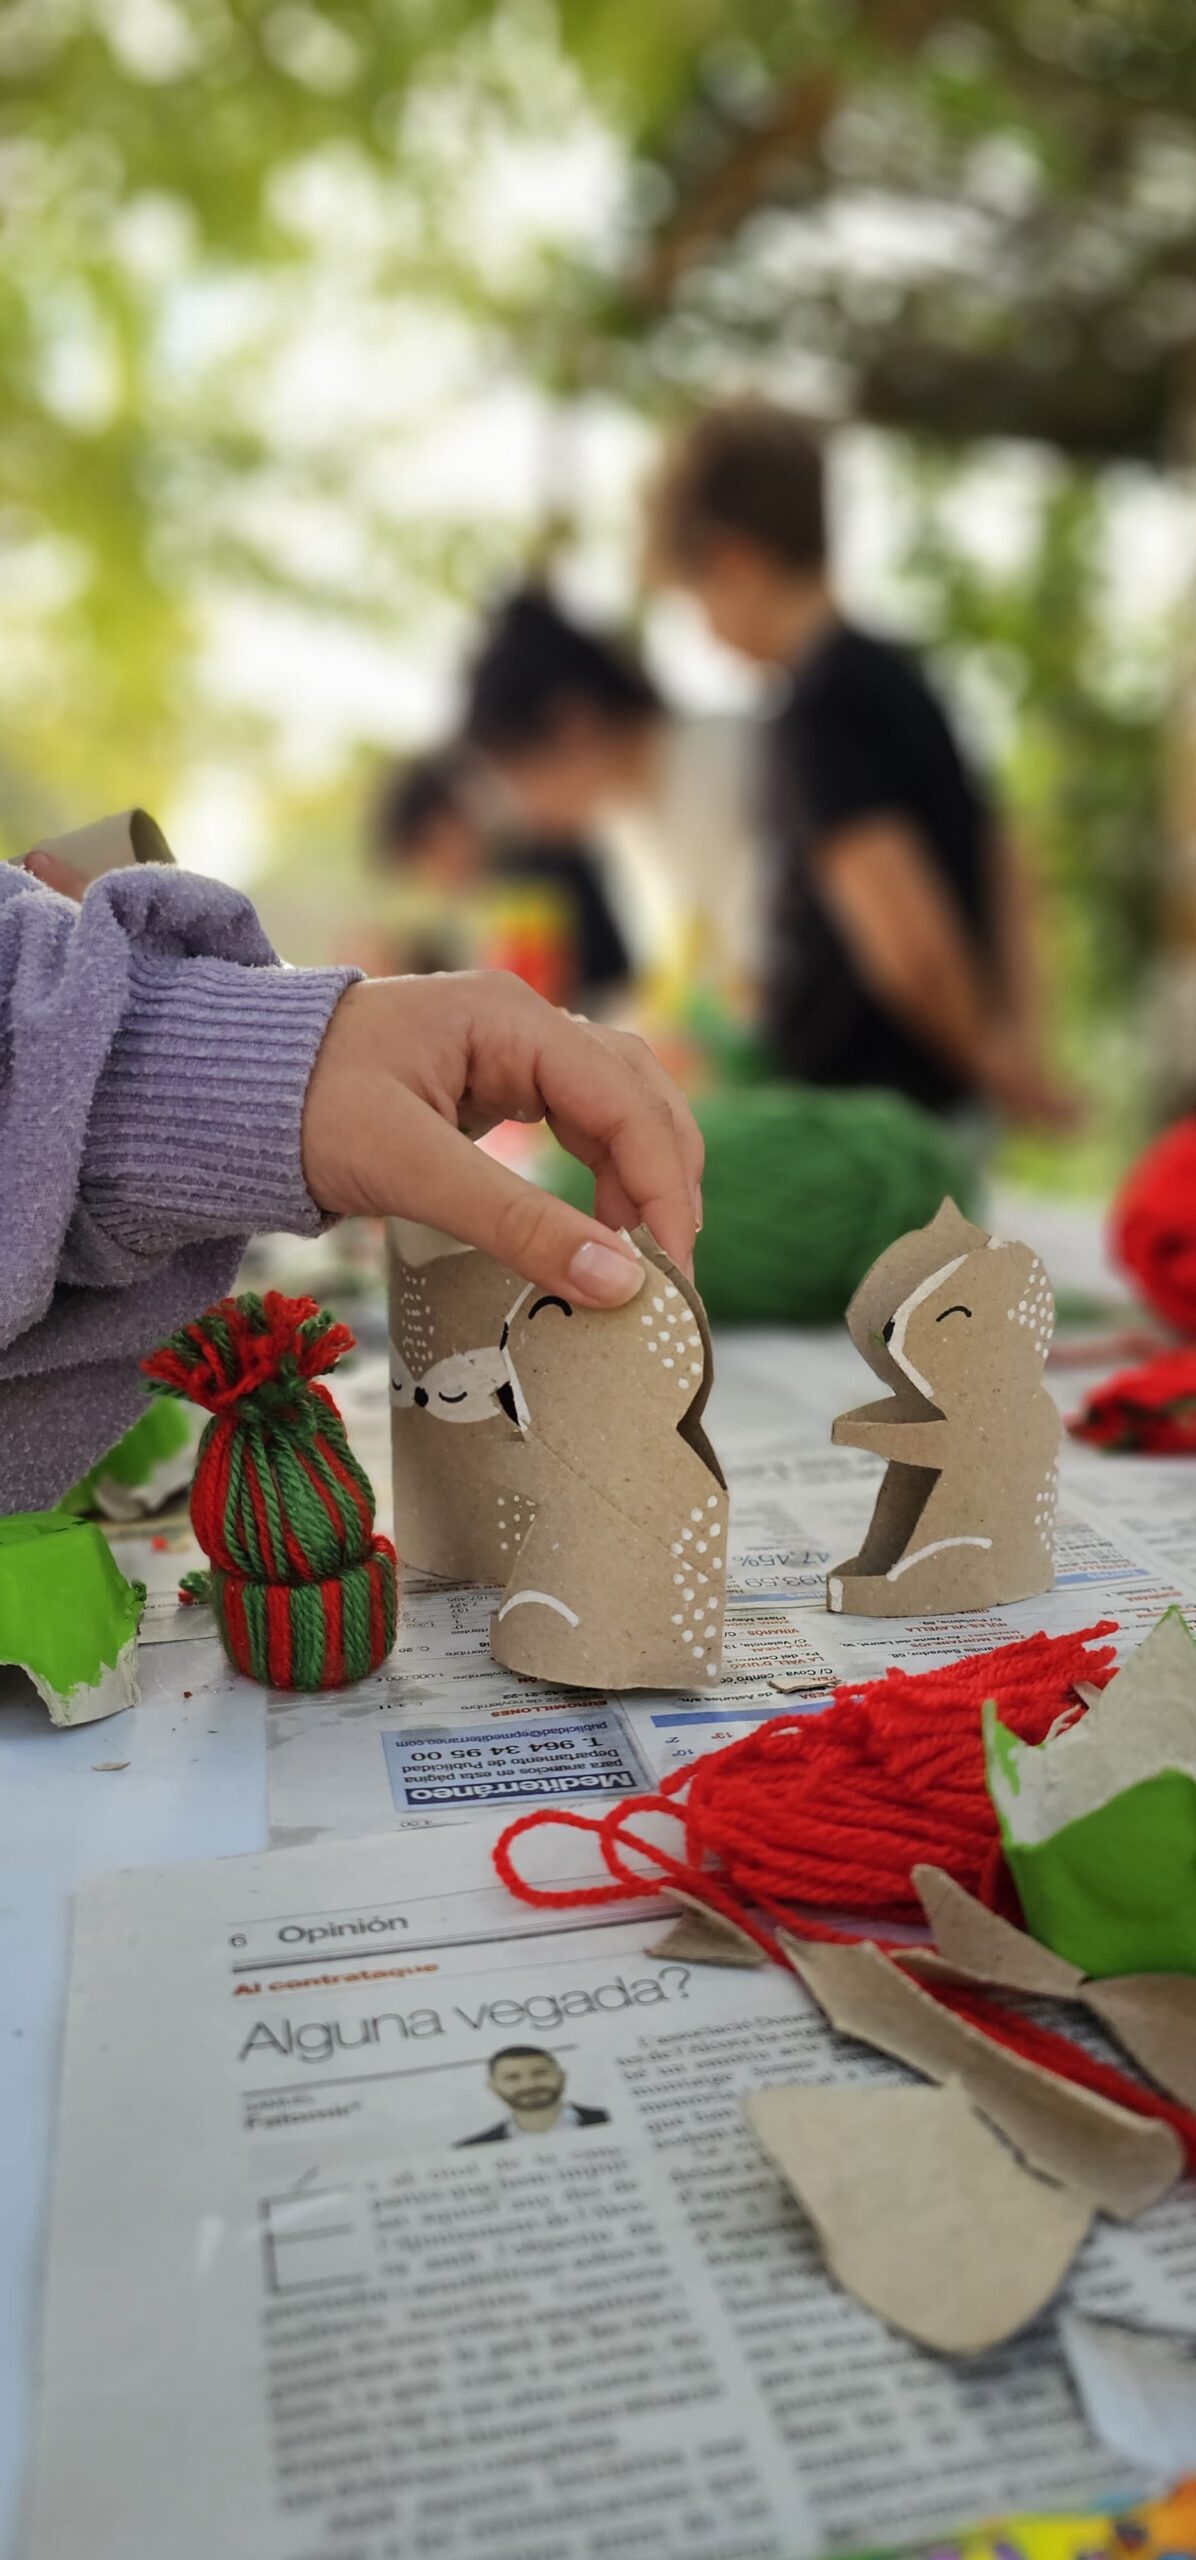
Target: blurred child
{"x": 573, "y": 737}
{"x": 541, "y": 909}
{"x": 899, "y": 942}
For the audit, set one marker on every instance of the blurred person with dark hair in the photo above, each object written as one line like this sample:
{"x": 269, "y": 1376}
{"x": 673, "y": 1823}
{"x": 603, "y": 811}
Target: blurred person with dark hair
{"x": 564, "y": 716}
{"x": 900, "y": 949}
{"x": 424, "y": 819}
{"x": 575, "y": 738}
{"x": 539, "y": 908}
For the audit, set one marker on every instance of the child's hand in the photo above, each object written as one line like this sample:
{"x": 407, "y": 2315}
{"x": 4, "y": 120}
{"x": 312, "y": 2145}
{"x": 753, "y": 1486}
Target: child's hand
{"x": 54, "y": 874}
{"x": 408, "y": 1066}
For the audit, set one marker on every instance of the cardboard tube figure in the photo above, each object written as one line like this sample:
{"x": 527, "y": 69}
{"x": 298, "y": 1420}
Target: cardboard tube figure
{"x": 559, "y": 1452}
{"x": 109, "y": 844}
{"x": 957, "y": 1324}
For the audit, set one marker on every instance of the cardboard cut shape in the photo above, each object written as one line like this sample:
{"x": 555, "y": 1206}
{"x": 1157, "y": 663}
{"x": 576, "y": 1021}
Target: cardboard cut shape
{"x": 559, "y": 1452}
{"x": 1151, "y": 2015}
{"x": 957, "y": 1325}
{"x": 67, "y": 1615}
{"x": 703, "y": 1936}
{"x": 1098, "y": 1822}
{"x": 1120, "y": 2161}
{"x": 109, "y": 844}
{"x": 977, "y": 1945}
{"x": 922, "y": 2212}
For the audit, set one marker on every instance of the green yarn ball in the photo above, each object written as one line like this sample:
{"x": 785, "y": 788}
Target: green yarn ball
{"x": 803, "y": 1189}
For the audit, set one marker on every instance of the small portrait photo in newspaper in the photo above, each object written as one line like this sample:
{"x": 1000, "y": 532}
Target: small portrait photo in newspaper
{"x": 531, "y": 2085}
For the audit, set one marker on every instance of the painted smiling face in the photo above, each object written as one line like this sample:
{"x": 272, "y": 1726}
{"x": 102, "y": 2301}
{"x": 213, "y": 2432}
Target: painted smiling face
{"x": 447, "y": 1309}
{"x": 983, "y": 1313}
{"x": 465, "y": 1386}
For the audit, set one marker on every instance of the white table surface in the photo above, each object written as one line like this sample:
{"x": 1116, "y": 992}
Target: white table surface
{"x": 195, "y": 1787}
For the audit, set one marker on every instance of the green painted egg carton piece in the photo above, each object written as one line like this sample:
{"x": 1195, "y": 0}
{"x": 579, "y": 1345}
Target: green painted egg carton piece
{"x": 153, "y": 1463}
{"x": 1099, "y": 1821}
{"x": 68, "y": 1617}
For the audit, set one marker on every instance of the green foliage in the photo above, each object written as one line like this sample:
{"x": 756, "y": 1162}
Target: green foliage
{"x": 186, "y": 184}
{"x": 181, "y": 183}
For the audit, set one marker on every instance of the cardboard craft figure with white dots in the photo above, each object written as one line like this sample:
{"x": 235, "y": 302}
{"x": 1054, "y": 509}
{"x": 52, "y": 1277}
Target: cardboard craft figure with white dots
{"x": 584, "y": 1484}
{"x": 957, "y": 1324}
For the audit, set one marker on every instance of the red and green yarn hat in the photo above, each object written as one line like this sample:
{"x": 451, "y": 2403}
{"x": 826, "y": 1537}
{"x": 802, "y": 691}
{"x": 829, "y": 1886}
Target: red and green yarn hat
{"x": 303, "y": 1589}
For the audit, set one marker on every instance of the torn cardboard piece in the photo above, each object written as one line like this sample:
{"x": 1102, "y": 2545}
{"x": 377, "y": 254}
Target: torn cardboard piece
{"x": 1137, "y": 2389}
{"x": 1152, "y": 2015}
{"x": 921, "y": 2211}
{"x": 1121, "y": 2161}
{"x": 1098, "y": 1822}
{"x": 585, "y": 1484}
{"x": 109, "y": 844}
{"x": 68, "y": 1618}
{"x": 976, "y": 1945}
{"x": 703, "y": 1936}
{"x": 957, "y": 1325}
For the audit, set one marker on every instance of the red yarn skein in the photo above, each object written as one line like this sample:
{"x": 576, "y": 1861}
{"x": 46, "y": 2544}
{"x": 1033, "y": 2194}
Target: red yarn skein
{"x": 836, "y": 1808}
{"x": 831, "y": 1811}
{"x": 1154, "y": 1225}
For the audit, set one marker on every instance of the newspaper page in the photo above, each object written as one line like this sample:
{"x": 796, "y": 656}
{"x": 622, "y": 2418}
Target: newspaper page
{"x": 395, "y": 2220}
{"x": 442, "y": 1732}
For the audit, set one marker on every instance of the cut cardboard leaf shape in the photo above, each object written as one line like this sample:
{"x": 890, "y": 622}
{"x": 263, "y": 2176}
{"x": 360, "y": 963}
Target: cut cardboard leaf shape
{"x": 1098, "y": 1822}
{"x": 1120, "y": 2160}
{"x": 956, "y": 1324}
{"x": 1152, "y": 2015}
{"x": 68, "y": 1618}
{"x": 922, "y": 2212}
{"x": 559, "y": 1451}
{"x": 703, "y": 1936}
{"x": 977, "y": 1945}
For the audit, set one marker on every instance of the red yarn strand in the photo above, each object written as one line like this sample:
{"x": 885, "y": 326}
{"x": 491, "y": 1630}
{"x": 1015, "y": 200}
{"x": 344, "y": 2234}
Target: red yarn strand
{"x": 1057, "y": 2053}
{"x": 334, "y": 1650}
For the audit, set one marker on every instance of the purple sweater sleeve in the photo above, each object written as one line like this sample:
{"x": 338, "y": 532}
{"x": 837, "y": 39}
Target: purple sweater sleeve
{"x": 153, "y": 1063}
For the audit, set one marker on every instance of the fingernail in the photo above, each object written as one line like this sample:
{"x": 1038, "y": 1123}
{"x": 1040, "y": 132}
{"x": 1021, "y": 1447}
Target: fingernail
{"x": 698, "y": 1206}
{"x": 600, "y": 1272}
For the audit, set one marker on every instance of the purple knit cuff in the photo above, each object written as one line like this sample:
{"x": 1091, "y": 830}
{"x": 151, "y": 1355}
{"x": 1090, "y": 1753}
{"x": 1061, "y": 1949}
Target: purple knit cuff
{"x": 195, "y": 1126}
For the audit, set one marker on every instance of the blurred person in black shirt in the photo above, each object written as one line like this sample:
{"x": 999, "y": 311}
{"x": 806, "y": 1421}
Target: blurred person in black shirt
{"x": 900, "y": 943}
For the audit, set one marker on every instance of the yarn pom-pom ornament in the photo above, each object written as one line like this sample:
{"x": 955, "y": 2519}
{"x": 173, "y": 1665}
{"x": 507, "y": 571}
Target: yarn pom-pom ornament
{"x": 1154, "y": 1225}
{"x": 303, "y": 1589}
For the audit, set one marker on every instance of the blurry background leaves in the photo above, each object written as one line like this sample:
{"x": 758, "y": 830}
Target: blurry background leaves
{"x": 315, "y": 320}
